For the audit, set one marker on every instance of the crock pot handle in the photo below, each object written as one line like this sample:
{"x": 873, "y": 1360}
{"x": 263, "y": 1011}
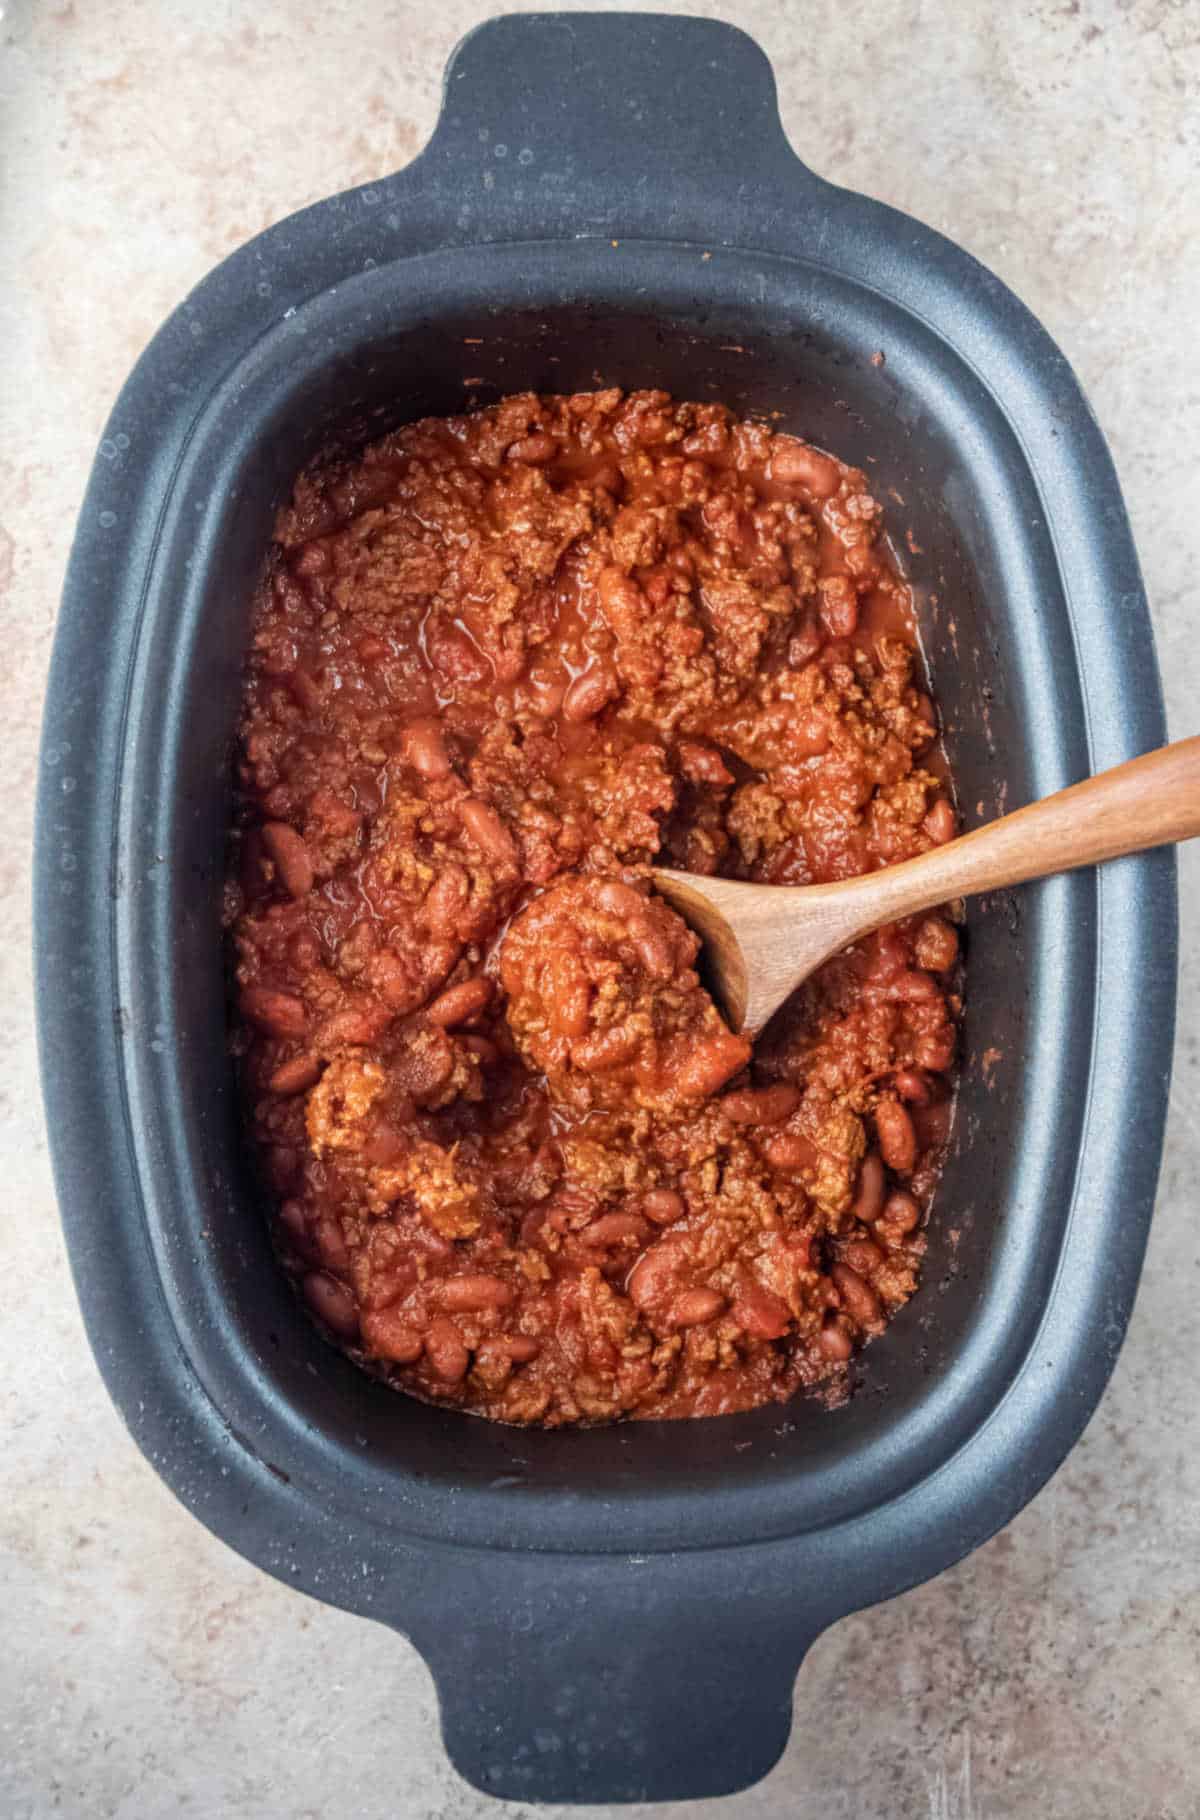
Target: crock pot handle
{"x": 611, "y": 123}
{"x": 588, "y": 1678}
{"x": 612, "y": 1678}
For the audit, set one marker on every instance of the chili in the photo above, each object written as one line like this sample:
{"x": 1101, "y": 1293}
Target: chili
{"x": 501, "y": 663}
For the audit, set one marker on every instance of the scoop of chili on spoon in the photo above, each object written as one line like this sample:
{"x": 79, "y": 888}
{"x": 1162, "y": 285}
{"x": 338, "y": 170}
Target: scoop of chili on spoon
{"x": 762, "y": 941}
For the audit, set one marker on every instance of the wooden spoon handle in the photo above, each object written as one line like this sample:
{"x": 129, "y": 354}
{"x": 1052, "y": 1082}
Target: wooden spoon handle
{"x": 1145, "y": 803}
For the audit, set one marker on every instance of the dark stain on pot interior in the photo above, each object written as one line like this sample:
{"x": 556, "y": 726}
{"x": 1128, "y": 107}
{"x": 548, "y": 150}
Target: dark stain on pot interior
{"x": 555, "y": 1614}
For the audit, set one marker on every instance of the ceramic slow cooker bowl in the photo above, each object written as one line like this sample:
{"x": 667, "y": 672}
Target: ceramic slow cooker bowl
{"x": 608, "y": 199}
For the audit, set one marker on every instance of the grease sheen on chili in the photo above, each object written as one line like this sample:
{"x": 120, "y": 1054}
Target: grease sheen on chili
{"x": 501, "y": 664}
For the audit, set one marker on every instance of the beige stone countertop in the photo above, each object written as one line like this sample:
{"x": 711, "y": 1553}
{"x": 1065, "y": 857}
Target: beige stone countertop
{"x": 145, "y": 1670}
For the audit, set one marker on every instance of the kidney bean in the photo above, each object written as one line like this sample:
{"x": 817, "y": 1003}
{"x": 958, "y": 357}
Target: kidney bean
{"x": 458, "y": 1004}
{"x": 570, "y": 997}
{"x": 425, "y": 749}
{"x": 788, "y": 1151}
{"x": 616, "y": 1229}
{"x": 488, "y": 832}
{"x": 704, "y": 765}
{"x": 897, "y": 1138}
{"x": 927, "y": 711}
{"x": 295, "y": 1225}
{"x": 432, "y": 1243}
{"x": 296, "y": 1076}
{"x": 447, "y": 1354}
{"x": 446, "y": 900}
{"x": 652, "y": 1279}
{"x": 389, "y": 1334}
{"x": 761, "y": 1312}
{"x": 356, "y": 1025}
{"x": 696, "y": 1306}
{"x": 862, "y": 1255}
{"x": 761, "y": 1105}
{"x": 571, "y": 1209}
{"x": 485, "y": 1052}
{"x": 901, "y": 1214}
{"x": 332, "y": 1250}
{"x": 606, "y": 1048}
{"x": 388, "y": 1287}
{"x": 858, "y": 1298}
{"x": 278, "y": 1013}
{"x": 941, "y": 823}
{"x": 621, "y": 600}
{"x": 663, "y": 1206}
{"x": 804, "y": 644}
{"x": 589, "y": 694}
{"x": 911, "y": 1085}
{"x": 620, "y": 900}
{"x": 474, "y": 1294}
{"x": 653, "y": 949}
{"x": 936, "y": 945}
{"x": 835, "y": 1342}
{"x": 886, "y": 953}
{"x": 293, "y": 865}
{"x": 384, "y": 1144}
{"x": 839, "y": 606}
{"x": 452, "y": 652}
{"x": 912, "y": 988}
{"x": 535, "y": 449}
{"x": 872, "y": 1185}
{"x": 282, "y": 1167}
{"x": 710, "y": 1063}
{"x": 333, "y": 1302}
{"x": 794, "y": 464}
{"x": 521, "y": 1348}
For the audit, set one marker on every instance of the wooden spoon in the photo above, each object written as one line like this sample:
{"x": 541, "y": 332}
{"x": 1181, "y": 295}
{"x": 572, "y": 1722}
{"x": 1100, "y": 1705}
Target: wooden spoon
{"x": 761, "y": 941}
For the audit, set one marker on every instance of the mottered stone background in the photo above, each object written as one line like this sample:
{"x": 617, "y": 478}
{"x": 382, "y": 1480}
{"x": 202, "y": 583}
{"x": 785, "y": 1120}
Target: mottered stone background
{"x": 146, "y": 1671}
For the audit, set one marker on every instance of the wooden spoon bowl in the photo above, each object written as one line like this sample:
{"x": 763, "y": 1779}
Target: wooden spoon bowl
{"x": 762, "y": 941}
